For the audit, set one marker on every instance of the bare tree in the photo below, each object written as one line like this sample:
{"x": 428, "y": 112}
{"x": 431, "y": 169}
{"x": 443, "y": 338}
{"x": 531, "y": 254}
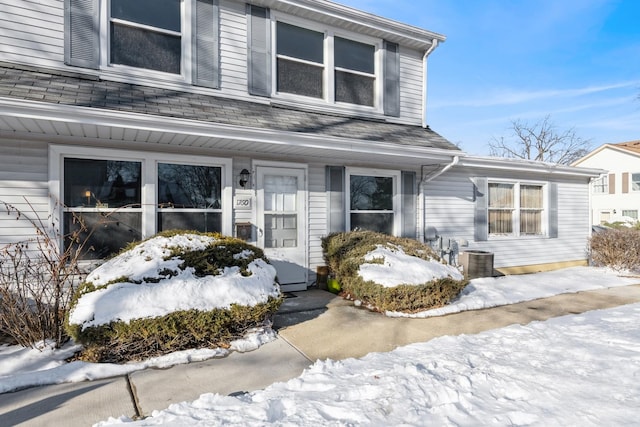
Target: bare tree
{"x": 540, "y": 141}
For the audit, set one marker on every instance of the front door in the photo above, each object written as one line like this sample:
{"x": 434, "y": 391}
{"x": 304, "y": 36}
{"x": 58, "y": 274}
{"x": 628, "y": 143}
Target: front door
{"x": 281, "y": 221}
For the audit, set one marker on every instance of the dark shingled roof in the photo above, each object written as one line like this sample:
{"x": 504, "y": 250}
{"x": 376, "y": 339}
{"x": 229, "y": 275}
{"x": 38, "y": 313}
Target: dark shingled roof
{"x": 68, "y": 88}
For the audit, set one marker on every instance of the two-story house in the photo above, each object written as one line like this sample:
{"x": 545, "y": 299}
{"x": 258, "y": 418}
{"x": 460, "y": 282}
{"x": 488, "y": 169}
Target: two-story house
{"x": 616, "y": 194}
{"x": 278, "y": 121}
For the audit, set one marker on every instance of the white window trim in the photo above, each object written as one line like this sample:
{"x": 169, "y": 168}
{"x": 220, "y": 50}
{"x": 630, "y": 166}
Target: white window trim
{"x": 185, "y": 75}
{"x": 604, "y": 185}
{"x": 544, "y": 227}
{"x": 149, "y": 161}
{"x": 329, "y": 66}
{"x": 397, "y": 194}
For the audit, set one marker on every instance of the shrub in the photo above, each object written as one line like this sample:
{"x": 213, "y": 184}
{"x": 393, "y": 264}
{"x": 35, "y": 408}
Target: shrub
{"x": 212, "y": 269}
{"x": 345, "y": 253}
{"x": 616, "y": 248}
{"x": 37, "y": 280}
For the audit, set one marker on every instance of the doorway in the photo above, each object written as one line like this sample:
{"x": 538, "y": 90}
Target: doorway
{"x": 281, "y": 223}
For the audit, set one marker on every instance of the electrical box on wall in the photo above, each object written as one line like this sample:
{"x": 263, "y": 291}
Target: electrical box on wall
{"x": 243, "y": 230}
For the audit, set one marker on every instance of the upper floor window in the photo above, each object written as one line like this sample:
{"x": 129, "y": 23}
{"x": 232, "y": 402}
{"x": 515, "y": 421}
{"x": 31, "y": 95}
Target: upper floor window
{"x": 354, "y": 72}
{"x": 146, "y": 34}
{"x": 635, "y": 182}
{"x": 601, "y": 185}
{"x": 515, "y": 209}
{"x": 174, "y": 40}
{"x": 300, "y": 61}
{"x": 302, "y": 68}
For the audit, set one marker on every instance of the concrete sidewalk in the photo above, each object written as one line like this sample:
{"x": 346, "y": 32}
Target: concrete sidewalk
{"x": 314, "y": 325}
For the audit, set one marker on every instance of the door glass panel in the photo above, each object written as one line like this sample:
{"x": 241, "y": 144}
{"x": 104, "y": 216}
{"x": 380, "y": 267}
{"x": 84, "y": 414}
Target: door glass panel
{"x": 280, "y": 211}
{"x": 281, "y": 231}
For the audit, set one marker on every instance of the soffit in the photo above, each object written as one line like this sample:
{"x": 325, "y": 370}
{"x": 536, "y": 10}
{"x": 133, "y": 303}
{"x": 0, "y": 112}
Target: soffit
{"x": 357, "y": 21}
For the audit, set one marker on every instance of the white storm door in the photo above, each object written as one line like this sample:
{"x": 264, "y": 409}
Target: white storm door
{"x": 281, "y": 221}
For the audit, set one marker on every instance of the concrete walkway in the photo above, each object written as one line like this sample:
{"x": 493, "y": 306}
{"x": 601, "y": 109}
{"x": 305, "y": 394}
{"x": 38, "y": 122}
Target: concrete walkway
{"x": 313, "y": 325}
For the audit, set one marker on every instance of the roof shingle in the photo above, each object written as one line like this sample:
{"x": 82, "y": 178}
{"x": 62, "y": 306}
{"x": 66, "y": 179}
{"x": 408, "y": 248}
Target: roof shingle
{"x": 68, "y": 88}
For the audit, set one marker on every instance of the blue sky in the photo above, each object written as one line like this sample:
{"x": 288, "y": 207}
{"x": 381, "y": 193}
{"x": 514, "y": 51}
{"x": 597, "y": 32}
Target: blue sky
{"x": 577, "y": 61}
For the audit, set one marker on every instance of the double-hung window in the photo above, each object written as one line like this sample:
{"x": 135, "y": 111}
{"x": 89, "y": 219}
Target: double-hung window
{"x": 347, "y": 75}
{"x": 635, "y": 182}
{"x": 104, "y": 197}
{"x": 373, "y": 202}
{"x": 515, "y": 209}
{"x": 601, "y": 185}
{"x": 146, "y": 34}
{"x": 189, "y": 197}
{"x": 300, "y": 61}
{"x": 354, "y": 72}
{"x": 173, "y": 40}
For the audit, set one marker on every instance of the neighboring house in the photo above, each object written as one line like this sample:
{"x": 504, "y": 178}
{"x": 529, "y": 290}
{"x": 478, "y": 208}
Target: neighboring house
{"x": 275, "y": 121}
{"x": 616, "y": 194}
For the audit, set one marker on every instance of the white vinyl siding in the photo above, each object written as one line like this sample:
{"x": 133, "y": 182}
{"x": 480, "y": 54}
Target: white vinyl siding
{"x": 23, "y": 184}
{"x": 450, "y": 207}
{"x": 32, "y": 32}
{"x": 317, "y": 215}
{"x": 233, "y": 47}
{"x": 411, "y": 81}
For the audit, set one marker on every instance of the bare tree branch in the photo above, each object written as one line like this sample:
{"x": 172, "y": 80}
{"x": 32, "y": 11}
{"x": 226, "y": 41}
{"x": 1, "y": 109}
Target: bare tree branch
{"x": 540, "y": 141}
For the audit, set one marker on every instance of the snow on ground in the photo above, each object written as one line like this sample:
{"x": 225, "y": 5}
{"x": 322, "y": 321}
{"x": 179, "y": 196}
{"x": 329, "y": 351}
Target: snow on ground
{"x": 489, "y": 292}
{"x": 579, "y": 370}
{"x": 25, "y": 367}
{"x": 21, "y": 368}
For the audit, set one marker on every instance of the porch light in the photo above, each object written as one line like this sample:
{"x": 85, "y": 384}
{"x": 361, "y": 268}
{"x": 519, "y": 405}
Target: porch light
{"x": 244, "y": 177}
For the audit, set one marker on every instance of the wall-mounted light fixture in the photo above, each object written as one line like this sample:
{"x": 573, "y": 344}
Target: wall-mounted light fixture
{"x": 244, "y": 177}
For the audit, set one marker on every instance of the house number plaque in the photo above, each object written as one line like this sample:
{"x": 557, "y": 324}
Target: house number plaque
{"x": 242, "y": 203}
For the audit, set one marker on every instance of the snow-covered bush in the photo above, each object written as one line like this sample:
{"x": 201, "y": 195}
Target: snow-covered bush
{"x": 175, "y": 291}
{"x": 389, "y": 273}
{"x": 616, "y": 248}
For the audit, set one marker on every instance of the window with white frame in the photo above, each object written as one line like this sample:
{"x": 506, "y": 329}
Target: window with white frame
{"x": 103, "y": 197}
{"x": 354, "y": 72}
{"x": 631, "y": 213}
{"x": 302, "y": 68}
{"x": 373, "y": 203}
{"x": 635, "y": 182}
{"x": 601, "y": 185}
{"x": 300, "y": 60}
{"x": 515, "y": 209}
{"x": 107, "y": 197}
{"x": 189, "y": 197}
{"x": 172, "y": 40}
{"x": 146, "y": 34}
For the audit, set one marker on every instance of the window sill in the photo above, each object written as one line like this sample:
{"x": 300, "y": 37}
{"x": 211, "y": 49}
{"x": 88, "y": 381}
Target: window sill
{"x": 515, "y": 237}
{"x": 317, "y": 105}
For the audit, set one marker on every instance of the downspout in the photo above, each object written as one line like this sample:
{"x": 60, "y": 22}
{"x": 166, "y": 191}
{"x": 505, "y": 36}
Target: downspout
{"x": 434, "y": 44}
{"x": 421, "y": 197}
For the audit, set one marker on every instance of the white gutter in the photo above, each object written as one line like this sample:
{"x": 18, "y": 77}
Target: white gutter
{"x": 422, "y": 214}
{"x": 434, "y": 44}
{"x": 98, "y": 117}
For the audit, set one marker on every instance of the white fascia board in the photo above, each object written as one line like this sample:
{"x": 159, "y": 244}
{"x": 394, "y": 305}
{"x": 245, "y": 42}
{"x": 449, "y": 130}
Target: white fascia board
{"x": 516, "y": 165}
{"x": 100, "y": 117}
{"x": 413, "y": 35}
